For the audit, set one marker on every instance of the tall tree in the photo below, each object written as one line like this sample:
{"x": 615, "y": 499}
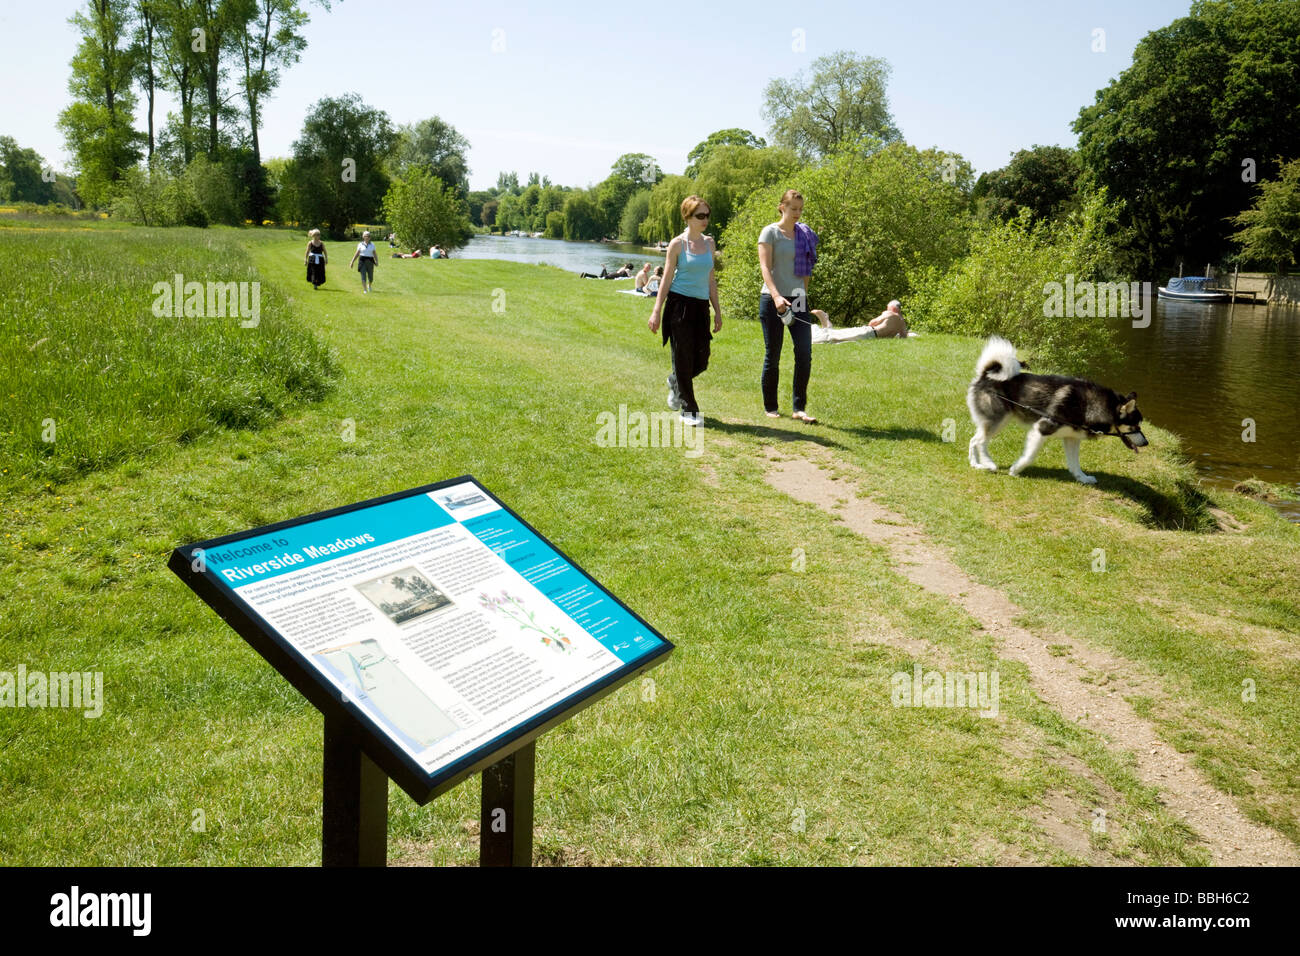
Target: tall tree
{"x": 97, "y": 125}
{"x": 843, "y": 101}
{"x": 180, "y": 72}
{"x": 338, "y": 167}
{"x": 1271, "y": 226}
{"x": 723, "y": 137}
{"x": 1043, "y": 179}
{"x": 630, "y": 173}
{"x": 1182, "y": 134}
{"x": 272, "y": 40}
{"x": 435, "y": 145}
{"x": 220, "y": 25}
{"x": 729, "y": 174}
{"x": 146, "y": 38}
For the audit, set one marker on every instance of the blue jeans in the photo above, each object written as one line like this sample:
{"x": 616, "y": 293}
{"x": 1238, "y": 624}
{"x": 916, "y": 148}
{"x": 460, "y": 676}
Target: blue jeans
{"x": 774, "y": 340}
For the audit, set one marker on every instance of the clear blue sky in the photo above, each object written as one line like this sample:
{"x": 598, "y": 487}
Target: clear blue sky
{"x": 577, "y": 85}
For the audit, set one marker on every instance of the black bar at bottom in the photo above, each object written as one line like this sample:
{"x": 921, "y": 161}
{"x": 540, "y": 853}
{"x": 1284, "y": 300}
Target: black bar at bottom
{"x": 506, "y": 818}
{"x": 354, "y": 807}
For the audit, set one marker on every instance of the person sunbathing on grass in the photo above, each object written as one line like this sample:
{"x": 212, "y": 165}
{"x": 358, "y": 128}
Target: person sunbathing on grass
{"x": 890, "y": 323}
{"x": 824, "y": 332}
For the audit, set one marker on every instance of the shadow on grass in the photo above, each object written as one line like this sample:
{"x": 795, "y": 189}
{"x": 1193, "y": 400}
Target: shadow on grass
{"x": 767, "y": 433}
{"x": 1185, "y": 509}
{"x": 897, "y": 434}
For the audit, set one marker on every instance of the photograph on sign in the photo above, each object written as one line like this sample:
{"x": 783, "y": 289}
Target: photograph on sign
{"x": 440, "y": 614}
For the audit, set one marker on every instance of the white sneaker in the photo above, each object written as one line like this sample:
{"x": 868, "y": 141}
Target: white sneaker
{"x": 674, "y": 399}
{"x": 692, "y": 418}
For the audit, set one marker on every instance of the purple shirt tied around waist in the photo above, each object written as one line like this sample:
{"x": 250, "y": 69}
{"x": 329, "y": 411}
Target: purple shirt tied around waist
{"x": 805, "y": 250}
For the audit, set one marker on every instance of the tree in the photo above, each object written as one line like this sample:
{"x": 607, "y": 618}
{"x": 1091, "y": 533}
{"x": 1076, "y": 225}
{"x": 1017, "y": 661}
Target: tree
{"x": 338, "y": 164}
{"x": 880, "y": 215}
{"x": 630, "y": 172}
{"x": 146, "y": 39}
{"x": 178, "y": 75}
{"x": 731, "y": 174}
{"x": 475, "y": 200}
{"x": 723, "y": 137}
{"x": 998, "y": 288}
{"x": 97, "y": 125}
{"x": 1183, "y": 133}
{"x": 273, "y": 39}
{"x": 424, "y": 212}
{"x": 664, "y": 218}
{"x": 435, "y": 145}
{"x": 1271, "y": 226}
{"x": 21, "y": 174}
{"x": 581, "y": 216}
{"x": 1043, "y": 179}
{"x": 488, "y": 215}
{"x": 217, "y": 30}
{"x": 844, "y": 101}
{"x": 507, "y": 183}
{"x": 634, "y": 213}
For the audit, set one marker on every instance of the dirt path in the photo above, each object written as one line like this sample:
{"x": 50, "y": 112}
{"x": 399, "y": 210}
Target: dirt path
{"x": 1067, "y": 682}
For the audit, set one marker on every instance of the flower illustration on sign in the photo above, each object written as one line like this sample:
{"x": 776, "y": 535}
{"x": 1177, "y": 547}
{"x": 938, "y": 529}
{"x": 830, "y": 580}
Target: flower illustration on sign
{"x": 513, "y": 608}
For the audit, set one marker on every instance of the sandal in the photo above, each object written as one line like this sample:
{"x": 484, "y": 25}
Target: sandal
{"x": 772, "y": 414}
{"x": 804, "y": 417}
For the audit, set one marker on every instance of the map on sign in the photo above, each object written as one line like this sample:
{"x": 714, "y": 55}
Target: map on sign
{"x": 438, "y": 615}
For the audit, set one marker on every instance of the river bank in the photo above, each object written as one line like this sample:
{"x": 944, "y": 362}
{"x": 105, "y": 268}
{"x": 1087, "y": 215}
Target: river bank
{"x": 791, "y": 627}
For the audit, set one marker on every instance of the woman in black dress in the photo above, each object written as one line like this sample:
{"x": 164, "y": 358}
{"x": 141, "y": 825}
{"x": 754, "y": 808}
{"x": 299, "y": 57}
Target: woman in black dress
{"x": 316, "y": 259}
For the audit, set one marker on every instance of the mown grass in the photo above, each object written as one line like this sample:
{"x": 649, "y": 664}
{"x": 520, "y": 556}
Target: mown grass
{"x": 769, "y": 737}
{"x": 93, "y": 375}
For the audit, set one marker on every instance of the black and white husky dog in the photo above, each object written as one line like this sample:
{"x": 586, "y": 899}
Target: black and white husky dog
{"x": 1052, "y": 405}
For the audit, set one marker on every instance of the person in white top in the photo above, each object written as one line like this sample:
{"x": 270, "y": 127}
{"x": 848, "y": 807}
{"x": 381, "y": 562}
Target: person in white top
{"x": 367, "y": 258}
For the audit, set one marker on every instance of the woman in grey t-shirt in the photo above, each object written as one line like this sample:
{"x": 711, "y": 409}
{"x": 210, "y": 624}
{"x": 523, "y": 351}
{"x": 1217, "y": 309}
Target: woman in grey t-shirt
{"x": 784, "y": 290}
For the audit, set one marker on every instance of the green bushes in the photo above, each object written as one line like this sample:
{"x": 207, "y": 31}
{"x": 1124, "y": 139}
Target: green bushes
{"x": 880, "y": 216}
{"x": 1005, "y": 286}
{"x": 422, "y": 211}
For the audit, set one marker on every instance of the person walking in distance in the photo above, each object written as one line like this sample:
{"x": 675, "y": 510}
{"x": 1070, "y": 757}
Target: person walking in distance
{"x": 365, "y": 258}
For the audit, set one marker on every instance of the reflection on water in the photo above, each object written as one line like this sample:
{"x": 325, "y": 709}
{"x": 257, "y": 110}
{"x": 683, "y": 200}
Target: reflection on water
{"x": 1202, "y": 370}
{"x": 570, "y": 256}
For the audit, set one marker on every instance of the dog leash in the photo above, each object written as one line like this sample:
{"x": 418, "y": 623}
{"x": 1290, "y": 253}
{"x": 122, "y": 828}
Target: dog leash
{"x": 1053, "y": 420}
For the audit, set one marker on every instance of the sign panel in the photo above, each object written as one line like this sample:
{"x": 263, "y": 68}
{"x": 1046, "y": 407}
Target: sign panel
{"x": 438, "y": 618}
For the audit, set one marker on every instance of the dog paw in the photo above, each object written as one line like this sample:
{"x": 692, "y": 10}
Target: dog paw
{"x": 986, "y": 466}
{"x": 1085, "y": 479}
{"x": 1015, "y": 470}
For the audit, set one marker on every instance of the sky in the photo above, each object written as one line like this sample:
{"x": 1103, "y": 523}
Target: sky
{"x": 565, "y": 88}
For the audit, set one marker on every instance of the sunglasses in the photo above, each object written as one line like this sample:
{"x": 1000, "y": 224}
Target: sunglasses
{"x": 701, "y": 215}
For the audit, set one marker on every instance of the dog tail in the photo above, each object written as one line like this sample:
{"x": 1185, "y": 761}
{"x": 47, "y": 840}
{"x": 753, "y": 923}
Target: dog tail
{"x": 998, "y": 361}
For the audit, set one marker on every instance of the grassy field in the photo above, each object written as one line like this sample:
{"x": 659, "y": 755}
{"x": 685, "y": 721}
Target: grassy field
{"x": 770, "y": 737}
{"x": 95, "y": 374}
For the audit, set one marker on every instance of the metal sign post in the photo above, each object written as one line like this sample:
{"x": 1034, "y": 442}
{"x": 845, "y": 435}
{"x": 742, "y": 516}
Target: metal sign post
{"x": 506, "y": 811}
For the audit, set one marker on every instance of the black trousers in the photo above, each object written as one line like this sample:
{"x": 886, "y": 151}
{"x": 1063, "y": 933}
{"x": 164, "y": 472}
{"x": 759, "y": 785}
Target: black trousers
{"x": 773, "y": 340}
{"x": 686, "y": 325}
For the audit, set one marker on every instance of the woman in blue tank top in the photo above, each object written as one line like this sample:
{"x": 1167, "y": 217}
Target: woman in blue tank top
{"x": 688, "y": 287}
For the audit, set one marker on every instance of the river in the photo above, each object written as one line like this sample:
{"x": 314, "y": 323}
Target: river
{"x": 569, "y": 256}
{"x": 1203, "y": 370}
